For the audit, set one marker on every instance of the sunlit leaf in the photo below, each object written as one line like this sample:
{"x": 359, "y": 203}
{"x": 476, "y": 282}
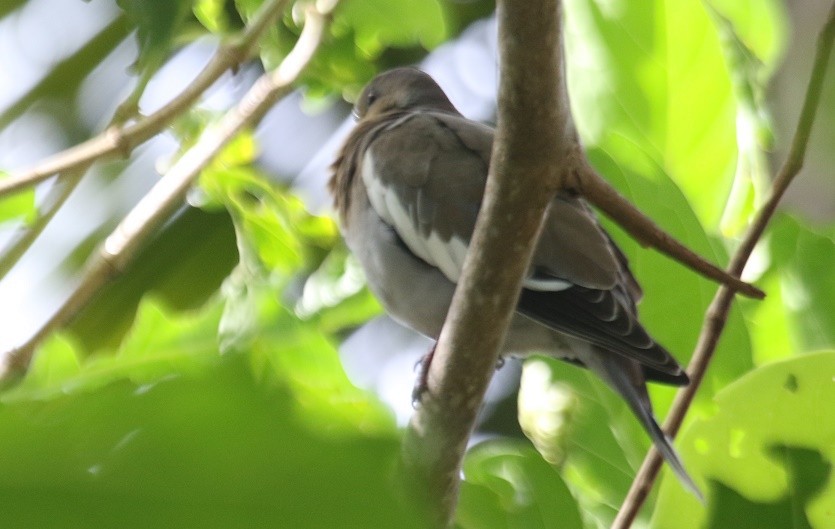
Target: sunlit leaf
{"x": 804, "y": 257}
{"x": 211, "y": 14}
{"x": 17, "y": 206}
{"x": 421, "y": 22}
{"x": 654, "y": 72}
{"x": 765, "y": 454}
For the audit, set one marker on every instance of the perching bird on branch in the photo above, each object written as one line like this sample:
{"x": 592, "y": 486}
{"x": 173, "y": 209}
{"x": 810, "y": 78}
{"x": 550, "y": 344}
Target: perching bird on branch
{"x": 408, "y": 185}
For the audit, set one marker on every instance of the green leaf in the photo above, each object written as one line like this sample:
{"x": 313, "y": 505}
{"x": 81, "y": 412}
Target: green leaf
{"x": 804, "y": 256}
{"x": 158, "y": 23}
{"x": 183, "y": 265}
{"x": 654, "y": 73}
{"x": 419, "y": 22}
{"x": 508, "y": 484}
{"x": 362, "y": 40}
{"x": 17, "y": 206}
{"x": 160, "y": 343}
{"x": 750, "y": 66}
{"x": 273, "y": 228}
{"x": 206, "y": 450}
{"x": 167, "y": 431}
{"x": 766, "y": 452}
{"x": 760, "y": 25}
{"x": 212, "y": 14}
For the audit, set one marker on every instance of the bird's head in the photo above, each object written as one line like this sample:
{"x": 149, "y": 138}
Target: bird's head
{"x": 398, "y": 90}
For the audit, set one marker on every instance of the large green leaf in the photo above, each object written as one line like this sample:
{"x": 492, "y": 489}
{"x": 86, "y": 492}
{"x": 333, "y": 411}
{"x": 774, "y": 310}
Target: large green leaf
{"x": 208, "y": 451}
{"x": 655, "y": 73}
{"x": 804, "y": 257}
{"x": 184, "y": 264}
{"x": 765, "y": 456}
{"x": 168, "y": 432}
{"x": 507, "y": 484}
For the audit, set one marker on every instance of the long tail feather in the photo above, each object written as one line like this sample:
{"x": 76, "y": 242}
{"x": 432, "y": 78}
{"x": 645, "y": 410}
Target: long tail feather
{"x": 626, "y": 377}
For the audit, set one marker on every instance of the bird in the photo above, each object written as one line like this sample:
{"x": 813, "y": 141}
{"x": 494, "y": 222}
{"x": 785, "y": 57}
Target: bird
{"x": 407, "y": 186}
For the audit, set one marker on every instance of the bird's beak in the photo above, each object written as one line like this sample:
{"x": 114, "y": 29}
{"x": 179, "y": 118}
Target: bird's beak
{"x": 356, "y": 114}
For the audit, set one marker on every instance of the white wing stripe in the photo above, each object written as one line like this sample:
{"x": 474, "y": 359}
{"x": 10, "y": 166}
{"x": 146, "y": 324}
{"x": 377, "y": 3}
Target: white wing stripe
{"x": 448, "y": 256}
{"x": 546, "y": 285}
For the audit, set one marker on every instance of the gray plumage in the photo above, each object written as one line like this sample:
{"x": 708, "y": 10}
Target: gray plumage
{"x": 408, "y": 186}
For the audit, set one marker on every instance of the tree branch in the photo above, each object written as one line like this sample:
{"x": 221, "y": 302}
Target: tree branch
{"x": 529, "y": 149}
{"x": 600, "y": 193}
{"x": 23, "y": 238}
{"x": 168, "y": 194}
{"x": 121, "y": 140}
{"x": 717, "y": 313}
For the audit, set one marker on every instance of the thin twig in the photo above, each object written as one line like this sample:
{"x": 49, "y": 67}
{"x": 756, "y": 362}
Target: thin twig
{"x": 26, "y": 235}
{"x": 168, "y": 194}
{"x": 600, "y": 193}
{"x": 717, "y": 314}
{"x": 121, "y": 140}
{"x": 531, "y": 142}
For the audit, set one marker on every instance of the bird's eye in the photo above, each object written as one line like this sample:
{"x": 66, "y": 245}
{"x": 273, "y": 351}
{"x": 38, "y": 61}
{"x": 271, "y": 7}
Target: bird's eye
{"x": 372, "y": 96}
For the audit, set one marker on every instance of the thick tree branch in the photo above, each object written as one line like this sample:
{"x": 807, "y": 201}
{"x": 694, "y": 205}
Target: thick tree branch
{"x": 121, "y": 140}
{"x": 530, "y": 145}
{"x": 168, "y": 194}
{"x": 717, "y": 313}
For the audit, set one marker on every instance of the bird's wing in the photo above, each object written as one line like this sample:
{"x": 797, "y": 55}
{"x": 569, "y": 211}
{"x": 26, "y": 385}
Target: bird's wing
{"x": 574, "y": 247}
{"x": 607, "y": 319}
{"x": 600, "y": 305}
{"x": 425, "y": 174}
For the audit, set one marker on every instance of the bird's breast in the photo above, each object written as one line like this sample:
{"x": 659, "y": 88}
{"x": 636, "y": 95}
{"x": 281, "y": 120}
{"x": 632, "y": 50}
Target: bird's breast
{"x": 412, "y": 291}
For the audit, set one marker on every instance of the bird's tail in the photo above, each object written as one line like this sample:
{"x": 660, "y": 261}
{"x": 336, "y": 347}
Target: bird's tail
{"x": 627, "y": 378}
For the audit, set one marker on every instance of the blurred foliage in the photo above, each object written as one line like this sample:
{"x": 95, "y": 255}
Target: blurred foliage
{"x": 766, "y": 452}
{"x": 509, "y": 485}
{"x": 657, "y": 73}
{"x": 184, "y": 265}
{"x": 203, "y": 387}
{"x": 18, "y": 207}
{"x": 165, "y": 432}
{"x": 157, "y": 22}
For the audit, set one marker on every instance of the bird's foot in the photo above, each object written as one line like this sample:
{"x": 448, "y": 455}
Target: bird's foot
{"x": 422, "y": 382}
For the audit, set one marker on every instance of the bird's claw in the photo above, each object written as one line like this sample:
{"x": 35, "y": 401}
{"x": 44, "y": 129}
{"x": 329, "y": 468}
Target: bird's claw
{"x": 422, "y": 382}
